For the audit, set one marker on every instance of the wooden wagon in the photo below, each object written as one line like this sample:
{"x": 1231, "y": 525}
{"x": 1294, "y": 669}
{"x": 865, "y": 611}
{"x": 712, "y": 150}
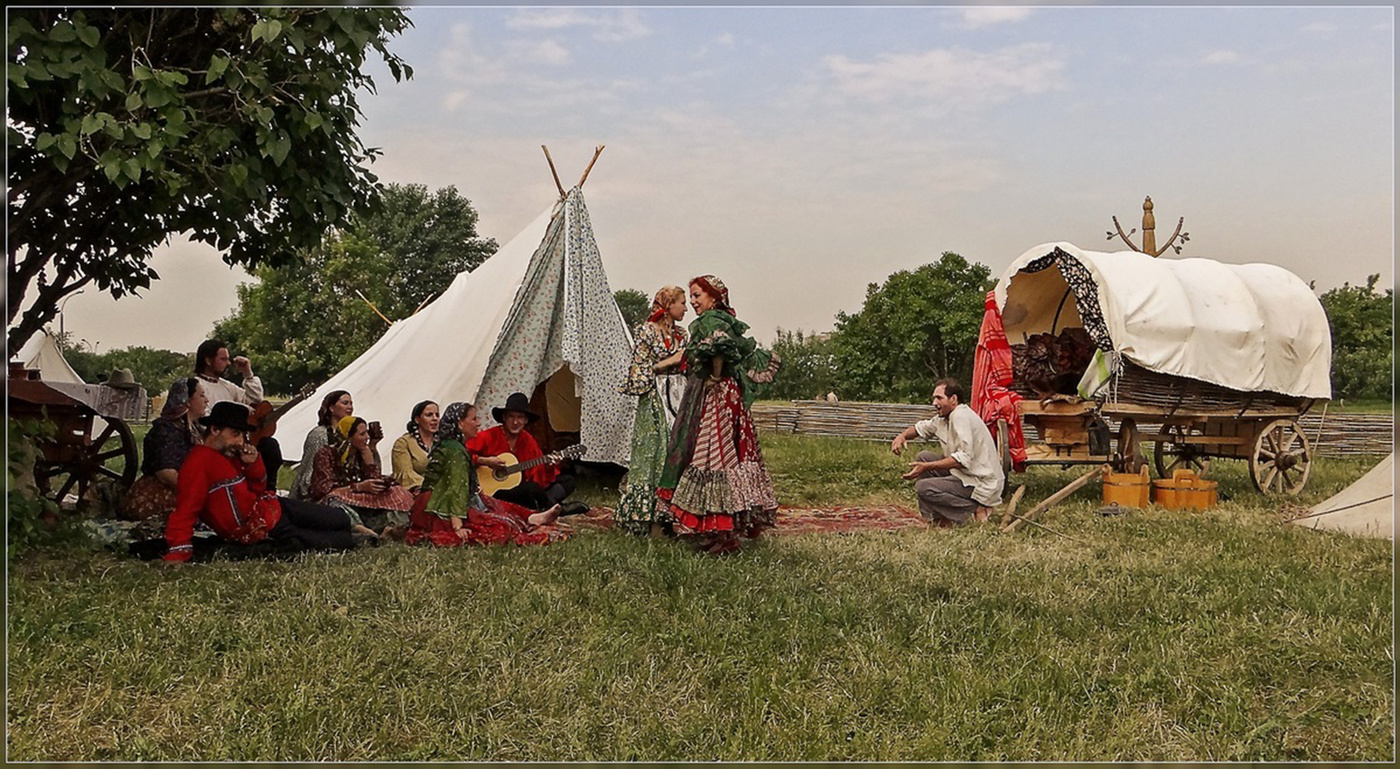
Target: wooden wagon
{"x": 91, "y": 439}
{"x": 1198, "y": 358}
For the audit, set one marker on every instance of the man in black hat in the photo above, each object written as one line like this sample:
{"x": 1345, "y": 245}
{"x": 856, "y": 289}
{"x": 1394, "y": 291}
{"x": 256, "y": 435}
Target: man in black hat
{"x": 542, "y": 486}
{"x": 224, "y": 484}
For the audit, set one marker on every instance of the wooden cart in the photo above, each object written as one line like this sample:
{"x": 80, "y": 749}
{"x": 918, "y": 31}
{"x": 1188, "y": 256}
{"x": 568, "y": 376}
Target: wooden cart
{"x": 1187, "y": 422}
{"x": 86, "y": 446}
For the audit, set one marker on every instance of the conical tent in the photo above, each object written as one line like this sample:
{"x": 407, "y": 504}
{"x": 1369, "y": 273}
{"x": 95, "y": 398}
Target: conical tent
{"x": 540, "y": 310}
{"x": 41, "y": 352}
{"x": 1364, "y": 509}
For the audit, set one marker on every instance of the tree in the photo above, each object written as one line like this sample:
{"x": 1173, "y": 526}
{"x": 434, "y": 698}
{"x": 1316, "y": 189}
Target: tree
{"x": 918, "y": 327}
{"x": 234, "y": 126}
{"x": 809, "y": 365}
{"x": 154, "y": 369}
{"x": 1363, "y": 339}
{"x": 303, "y": 322}
{"x": 635, "y": 307}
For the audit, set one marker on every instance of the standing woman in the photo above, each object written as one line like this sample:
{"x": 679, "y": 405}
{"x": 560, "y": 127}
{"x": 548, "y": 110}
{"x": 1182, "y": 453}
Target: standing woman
{"x": 715, "y": 483}
{"x": 657, "y": 359}
{"x": 410, "y": 455}
{"x": 452, "y": 511}
{"x": 336, "y": 406}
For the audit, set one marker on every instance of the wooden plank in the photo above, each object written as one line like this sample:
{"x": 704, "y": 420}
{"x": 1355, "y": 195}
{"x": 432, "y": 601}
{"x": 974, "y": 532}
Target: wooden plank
{"x": 1010, "y": 512}
{"x": 1054, "y": 499}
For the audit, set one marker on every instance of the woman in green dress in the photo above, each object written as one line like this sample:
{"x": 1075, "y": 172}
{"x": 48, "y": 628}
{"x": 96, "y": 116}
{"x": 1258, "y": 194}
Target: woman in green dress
{"x": 714, "y": 483}
{"x": 658, "y": 363}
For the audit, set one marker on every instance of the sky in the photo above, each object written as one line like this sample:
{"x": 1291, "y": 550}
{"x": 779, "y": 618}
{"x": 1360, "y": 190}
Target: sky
{"x": 801, "y": 154}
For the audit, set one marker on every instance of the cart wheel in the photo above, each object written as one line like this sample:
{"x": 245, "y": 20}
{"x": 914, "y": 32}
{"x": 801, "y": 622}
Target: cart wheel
{"x": 1128, "y": 458}
{"x": 110, "y": 454}
{"x": 1282, "y": 458}
{"x": 1004, "y": 446}
{"x": 1178, "y": 457}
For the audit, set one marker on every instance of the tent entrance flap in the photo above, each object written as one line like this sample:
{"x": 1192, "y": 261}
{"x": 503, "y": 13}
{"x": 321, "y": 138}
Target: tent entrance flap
{"x": 560, "y": 407}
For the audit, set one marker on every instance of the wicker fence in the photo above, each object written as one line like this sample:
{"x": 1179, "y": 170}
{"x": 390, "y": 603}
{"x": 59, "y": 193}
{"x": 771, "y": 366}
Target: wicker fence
{"x": 1335, "y": 434}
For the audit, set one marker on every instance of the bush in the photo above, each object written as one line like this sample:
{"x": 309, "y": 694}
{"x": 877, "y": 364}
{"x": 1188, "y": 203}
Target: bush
{"x": 28, "y": 510}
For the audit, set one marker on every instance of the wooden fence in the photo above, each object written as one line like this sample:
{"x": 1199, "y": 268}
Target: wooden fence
{"x": 1335, "y": 434}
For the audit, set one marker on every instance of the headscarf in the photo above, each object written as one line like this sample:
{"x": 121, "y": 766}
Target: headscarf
{"x": 661, "y": 303}
{"x": 416, "y": 432}
{"x": 448, "y": 429}
{"x": 177, "y": 401}
{"x": 715, "y": 288}
{"x": 344, "y": 429}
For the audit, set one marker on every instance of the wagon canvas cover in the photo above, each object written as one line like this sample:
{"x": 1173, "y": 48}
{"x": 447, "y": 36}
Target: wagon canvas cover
{"x": 1250, "y": 327}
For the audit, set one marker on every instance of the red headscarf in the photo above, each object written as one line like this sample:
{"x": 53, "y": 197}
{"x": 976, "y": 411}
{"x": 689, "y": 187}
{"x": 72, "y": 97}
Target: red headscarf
{"x": 661, "y": 303}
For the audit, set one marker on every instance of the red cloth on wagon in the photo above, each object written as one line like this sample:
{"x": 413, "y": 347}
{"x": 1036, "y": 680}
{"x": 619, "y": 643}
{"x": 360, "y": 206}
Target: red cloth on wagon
{"x": 992, "y": 398}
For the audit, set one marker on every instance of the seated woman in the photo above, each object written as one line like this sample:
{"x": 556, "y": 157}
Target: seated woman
{"x": 346, "y": 474}
{"x": 151, "y": 499}
{"x": 336, "y": 406}
{"x": 410, "y": 455}
{"x": 451, "y": 509}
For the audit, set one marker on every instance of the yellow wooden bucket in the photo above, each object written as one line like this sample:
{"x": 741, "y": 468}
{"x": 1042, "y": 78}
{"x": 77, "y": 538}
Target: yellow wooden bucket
{"x": 1185, "y": 490}
{"x": 1127, "y": 489}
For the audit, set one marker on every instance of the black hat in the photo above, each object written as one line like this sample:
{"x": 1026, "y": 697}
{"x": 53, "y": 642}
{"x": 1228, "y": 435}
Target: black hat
{"x": 516, "y": 402}
{"x": 228, "y": 414}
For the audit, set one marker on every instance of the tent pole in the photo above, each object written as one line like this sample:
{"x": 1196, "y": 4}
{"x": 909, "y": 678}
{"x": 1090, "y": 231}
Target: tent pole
{"x": 425, "y": 301}
{"x": 372, "y": 307}
{"x": 596, "y": 153}
{"x": 553, "y": 172}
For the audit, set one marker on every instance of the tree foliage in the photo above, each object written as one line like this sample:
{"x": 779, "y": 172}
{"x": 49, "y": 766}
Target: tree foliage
{"x": 235, "y": 126}
{"x": 1363, "y": 339}
{"x": 918, "y": 327}
{"x": 809, "y": 366}
{"x": 153, "y": 369}
{"x": 303, "y": 322}
{"x": 635, "y": 307}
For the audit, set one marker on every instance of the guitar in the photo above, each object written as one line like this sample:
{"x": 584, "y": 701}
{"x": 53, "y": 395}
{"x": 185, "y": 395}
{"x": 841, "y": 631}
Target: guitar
{"x": 264, "y": 417}
{"x": 508, "y": 477}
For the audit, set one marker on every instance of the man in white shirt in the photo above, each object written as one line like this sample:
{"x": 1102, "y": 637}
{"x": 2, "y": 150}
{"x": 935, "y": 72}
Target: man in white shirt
{"x": 966, "y": 479}
{"x": 211, "y": 360}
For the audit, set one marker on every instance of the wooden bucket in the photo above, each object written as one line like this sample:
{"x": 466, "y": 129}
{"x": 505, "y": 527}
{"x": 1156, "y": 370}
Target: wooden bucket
{"x": 1127, "y": 489}
{"x": 1185, "y": 490}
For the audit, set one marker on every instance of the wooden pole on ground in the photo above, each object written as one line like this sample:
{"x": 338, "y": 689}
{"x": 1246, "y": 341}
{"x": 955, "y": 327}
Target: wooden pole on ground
{"x": 553, "y": 172}
{"x": 372, "y": 307}
{"x": 1053, "y": 499}
{"x": 596, "y": 153}
{"x": 1010, "y": 511}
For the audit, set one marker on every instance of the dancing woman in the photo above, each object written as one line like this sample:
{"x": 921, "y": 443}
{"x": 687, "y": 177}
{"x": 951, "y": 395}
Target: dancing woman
{"x": 714, "y": 482}
{"x": 657, "y": 360}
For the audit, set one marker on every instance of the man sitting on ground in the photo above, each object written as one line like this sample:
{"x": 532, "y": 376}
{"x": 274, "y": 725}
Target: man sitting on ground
{"x": 223, "y": 483}
{"x": 541, "y": 486}
{"x": 211, "y": 360}
{"x": 966, "y": 479}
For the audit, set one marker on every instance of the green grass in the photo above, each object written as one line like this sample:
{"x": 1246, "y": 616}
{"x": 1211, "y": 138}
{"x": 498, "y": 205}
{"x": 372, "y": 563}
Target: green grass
{"x": 1150, "y": 635}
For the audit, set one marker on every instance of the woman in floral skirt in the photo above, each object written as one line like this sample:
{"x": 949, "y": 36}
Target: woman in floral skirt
{"x": 714, "y": 483}
{"x": 658, "y": 363}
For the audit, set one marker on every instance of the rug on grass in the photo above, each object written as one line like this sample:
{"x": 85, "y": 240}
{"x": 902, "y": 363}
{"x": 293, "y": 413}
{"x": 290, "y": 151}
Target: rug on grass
{"x": 810, "y": 520}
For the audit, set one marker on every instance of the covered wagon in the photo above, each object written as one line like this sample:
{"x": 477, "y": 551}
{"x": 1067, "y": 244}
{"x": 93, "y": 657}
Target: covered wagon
{"x": 1200, "y": 358}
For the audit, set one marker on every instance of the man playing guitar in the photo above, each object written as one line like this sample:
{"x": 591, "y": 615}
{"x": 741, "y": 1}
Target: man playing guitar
{"x": 543, "y": 485}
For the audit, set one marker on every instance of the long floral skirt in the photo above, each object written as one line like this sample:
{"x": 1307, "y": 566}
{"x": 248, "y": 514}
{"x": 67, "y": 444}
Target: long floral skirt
{"x": 637, "y": 509}
{"x": 496, "y": 523}
{"x": 715, "y": 479}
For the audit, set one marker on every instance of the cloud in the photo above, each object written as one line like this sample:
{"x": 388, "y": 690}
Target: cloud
{"x": 950, "y": 75}
{"x": 725, "y": 40}
{"x": 618, "y": 27}
{"x": 539, "y": 52}
{"x": 986, "y": 15}
{"x": 1319, "y": 28}
{"x": 1220, "y": 57}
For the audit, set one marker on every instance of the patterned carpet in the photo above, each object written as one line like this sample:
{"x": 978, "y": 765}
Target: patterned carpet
{"x": 809, "y": 520}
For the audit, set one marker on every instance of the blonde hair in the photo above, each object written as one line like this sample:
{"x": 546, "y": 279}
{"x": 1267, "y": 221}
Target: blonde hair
{"x": 660, "y": 303}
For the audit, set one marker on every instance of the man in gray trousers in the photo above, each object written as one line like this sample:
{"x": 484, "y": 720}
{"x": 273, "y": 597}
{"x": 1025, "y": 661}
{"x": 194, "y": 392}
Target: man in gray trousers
{"x": 965, "y": 480}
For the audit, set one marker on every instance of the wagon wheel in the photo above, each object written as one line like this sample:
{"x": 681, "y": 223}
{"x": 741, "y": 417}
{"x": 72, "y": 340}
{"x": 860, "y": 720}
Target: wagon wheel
{"x": 1282, "y": 458}
{"x": 1129, "y": 456}
{"x": 110, "y": 454}
{"x": 1004, "y": 446}
{"x": 1181, "y": 456}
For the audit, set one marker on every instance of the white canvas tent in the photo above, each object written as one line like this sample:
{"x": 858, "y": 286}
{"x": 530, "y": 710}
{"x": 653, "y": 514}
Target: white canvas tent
{"x": 1250, "y": 327}
{"x": 1365, "y": 508}
{"x": 539, "y": 310}
{"x": 41, "y": 352}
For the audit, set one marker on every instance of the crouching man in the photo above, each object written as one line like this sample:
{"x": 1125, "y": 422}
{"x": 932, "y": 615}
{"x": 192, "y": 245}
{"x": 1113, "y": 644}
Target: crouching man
{"x": 224, "y": 484}
{"x": 964, "y": 481}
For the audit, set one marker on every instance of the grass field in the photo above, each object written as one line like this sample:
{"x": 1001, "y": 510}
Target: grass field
{"x": 1151, "y": 635}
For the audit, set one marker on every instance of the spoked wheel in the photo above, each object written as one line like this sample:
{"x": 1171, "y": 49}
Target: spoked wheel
{"x": 1128, "y": 458}
{"x": 111, "y": 453}
{"x": 1282, "y": 458}
{"x": 1170, "y": 457}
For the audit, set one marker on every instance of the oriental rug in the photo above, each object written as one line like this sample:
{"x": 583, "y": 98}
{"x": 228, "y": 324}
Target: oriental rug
{"x": 810, "y": 520}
